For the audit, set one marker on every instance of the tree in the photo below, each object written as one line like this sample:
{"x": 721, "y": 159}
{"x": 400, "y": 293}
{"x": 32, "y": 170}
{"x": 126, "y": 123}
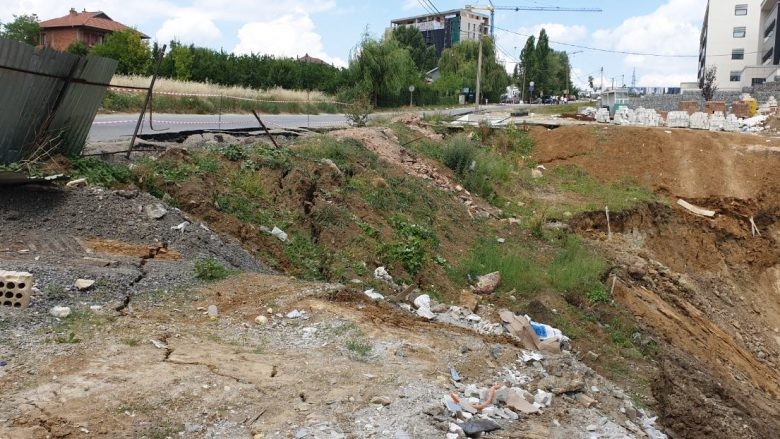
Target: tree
{"x": 542, "y": 57}
{"x": 458, "y": 68}
{"x": 23, "y": 28}
{"x": 127, "y": 47}
{"x": 411, "y": 39}
{"x": 528, "y": 61}
{"x": 77, "y": 48}
{"x": 383, "y": 69}
{"x": 709, "y": 86}
{"x": 590, "y": 82}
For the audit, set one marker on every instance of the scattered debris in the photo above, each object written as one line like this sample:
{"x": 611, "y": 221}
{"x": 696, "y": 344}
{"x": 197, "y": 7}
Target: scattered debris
{"x": 181, "y": 227}
{"x": 373, "y": 295}
{"x": 695, "y": 209}
{"x": 277, "y": 232}
{"x": 83, "y": 284}
{"x": 158, "y": 344}
{"x": 294, "y": 314}
{"x": 79, "y": 182}
{"x": 60, "y": 311}
{"x": 212, "y": 312}
{"x": 155, "y": 211}
{"x": 488, "y": 283}
{"x": 475, "y": 427}
{"x": 261, "y": 320}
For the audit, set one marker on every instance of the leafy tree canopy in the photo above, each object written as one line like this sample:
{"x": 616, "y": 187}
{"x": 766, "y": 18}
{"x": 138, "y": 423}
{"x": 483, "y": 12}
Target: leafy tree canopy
{"x": 23, "y": 28}
{"x": 127, "y": 47}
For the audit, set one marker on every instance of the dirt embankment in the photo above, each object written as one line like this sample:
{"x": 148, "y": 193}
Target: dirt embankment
{"x": 707, "y": 288}
{"x": 683, "y": 163}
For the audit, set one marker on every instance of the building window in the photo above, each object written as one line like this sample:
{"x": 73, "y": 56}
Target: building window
{"x": 740, "y": 9}
{"x": 739, "y": 32}
{"x": 769, "y": 29}
{"x": 738, "y": 54}
{"x": 768, "y": 55}
{"x": 735, "y": 76}
{"x": 757, "y": 81}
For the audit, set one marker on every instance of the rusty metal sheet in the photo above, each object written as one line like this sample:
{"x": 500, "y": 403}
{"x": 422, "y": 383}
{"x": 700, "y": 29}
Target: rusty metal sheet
{"x": 34, "y": 88}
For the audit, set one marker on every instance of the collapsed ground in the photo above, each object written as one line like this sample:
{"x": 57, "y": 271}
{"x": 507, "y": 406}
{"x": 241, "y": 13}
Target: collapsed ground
{"x": 689, "y": 329}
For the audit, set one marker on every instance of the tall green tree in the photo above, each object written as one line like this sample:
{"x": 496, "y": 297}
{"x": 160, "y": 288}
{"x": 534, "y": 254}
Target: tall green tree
{"x": 458, "y": 68}
{"x": 411, "y": 39}
{"x": 543, "y": 62}
{"x": 23, "y": 28}
{"x": 383, "y": 69}
{"x": 127, "y": 47}
{"x": 528, "y": 62}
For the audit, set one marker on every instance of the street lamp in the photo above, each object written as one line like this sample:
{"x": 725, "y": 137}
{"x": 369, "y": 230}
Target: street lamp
{"x": 411, "y": 95}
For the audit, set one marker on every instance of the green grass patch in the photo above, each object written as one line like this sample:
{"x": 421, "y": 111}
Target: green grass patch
{"x": 359, "y": 347}
{"x": 520, "y": 266}
{"x": 576, "y": 269}
{"x": 99, "y": 172}
{"x": 618, "y": 195}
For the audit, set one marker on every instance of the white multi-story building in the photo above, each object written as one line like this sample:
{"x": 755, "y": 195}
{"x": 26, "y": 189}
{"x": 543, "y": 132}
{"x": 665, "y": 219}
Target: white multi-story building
{"x": 738, "y": 37}
{"x": 447, "y": 28}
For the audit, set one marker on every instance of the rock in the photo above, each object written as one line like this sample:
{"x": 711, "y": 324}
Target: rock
{"x": 79, "y": 182}
{"x": 261, "y": 320}
{"x": 98, "y": 262}
{"x": 452, "y": 436}
{"x": 155, "y": 211}
{"x": 83, "y": 284}
{"x": 558, "y": 385}
{"x": 373, "y": 295}
{"x": 440, "y": 308}
{"x": 488, "y": 283}
{"x": 475, "y": 427}
{"x": 422, "y": 300}
{"x": 451, "y": 405}
{"x": 536, "y": 173}
{"x": 301, "y": 433}
{"x": 542, "y": 398}
{"x": 426, "y": 313}
{"x": 501, "y": 394}
{"x": 212, "y": 311}
{"x": 294, "y": 314}
{"x": 593, "y": 355}
{"x": 585, "y": 400}
{"x": 637, "y": 270}
{"x": 381, "y": 400}
{"x": 591, "y": 427}
{"x": 468, "y": 407}
{"x": 517, "y": 402}
{"x": 60, "y": 311}
{"x": 127, "y": 194}
{"x": 469, "y": 300}
{"x": 454, "y": 428}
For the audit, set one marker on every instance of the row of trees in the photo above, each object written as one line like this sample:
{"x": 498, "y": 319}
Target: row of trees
{"x": 379, "y": 69}
{"x": 549, "y": 69}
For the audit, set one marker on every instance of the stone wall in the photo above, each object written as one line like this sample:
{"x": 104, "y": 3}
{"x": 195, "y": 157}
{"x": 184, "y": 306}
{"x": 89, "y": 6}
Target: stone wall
{"x": 672, "y": 102}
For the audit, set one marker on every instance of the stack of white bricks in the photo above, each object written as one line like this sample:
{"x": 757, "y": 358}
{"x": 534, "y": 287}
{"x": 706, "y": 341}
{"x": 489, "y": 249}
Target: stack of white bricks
{"x": 700, "y": 121}
{"x": 678, "y": 119}
{"x": 648, "y": 117}
{"x": 624, "y": 116}
{"x": 15, "y": 288}
{"x": 602, "y": 115}
{"x": 731, "y": 124}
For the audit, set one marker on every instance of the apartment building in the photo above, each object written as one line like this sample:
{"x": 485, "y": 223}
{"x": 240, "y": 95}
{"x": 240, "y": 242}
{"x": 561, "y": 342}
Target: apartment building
{"x": 738, "y": 37}
{"x": 445, "y": 29}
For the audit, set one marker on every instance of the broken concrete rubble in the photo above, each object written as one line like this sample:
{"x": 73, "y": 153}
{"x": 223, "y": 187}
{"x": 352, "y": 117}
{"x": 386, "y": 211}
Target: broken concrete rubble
{"x": 488, "y": 283}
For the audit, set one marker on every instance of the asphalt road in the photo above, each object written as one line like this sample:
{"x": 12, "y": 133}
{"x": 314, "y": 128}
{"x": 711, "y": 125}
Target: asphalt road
{"x": 108, "y": 127}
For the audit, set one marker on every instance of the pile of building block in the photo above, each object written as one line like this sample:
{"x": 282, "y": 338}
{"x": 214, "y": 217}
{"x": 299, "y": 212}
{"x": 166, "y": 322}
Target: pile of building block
{"x": 15, "y": 288}
{"x": 602, "y": 115}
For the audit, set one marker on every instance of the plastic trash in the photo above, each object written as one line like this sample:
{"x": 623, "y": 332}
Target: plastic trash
{"x": 454, "y": 374}
{"x": 279, "y": 233}
{"x": 546, "y": 332}
{"x": 181, "y": 226}
{"x": 373, "y": 295}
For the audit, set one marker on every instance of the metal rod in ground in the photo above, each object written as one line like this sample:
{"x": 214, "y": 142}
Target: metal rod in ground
{"x": 160, "y": 55}
{"x": 262, "y": 125}
{"x": 609, "y": 229}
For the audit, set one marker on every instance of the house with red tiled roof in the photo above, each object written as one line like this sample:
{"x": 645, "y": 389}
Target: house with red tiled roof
{"x": 87, "y": 27}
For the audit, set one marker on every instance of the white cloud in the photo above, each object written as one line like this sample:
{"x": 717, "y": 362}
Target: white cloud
{"x": 287, "y": 35}
{"x": 189, "y": 27}
{"x": 410, "y": 5}
{"x": 672, "y": 29}
{"x": 557, "y": 32}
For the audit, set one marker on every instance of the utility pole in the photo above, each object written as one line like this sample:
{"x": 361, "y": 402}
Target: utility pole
{"x": 633, "y": 79}
{"x": 602, "y": 80}
{"x": 613, "y": 83}
{"x": 479, "y": 68}
{"x": 623, "y": 80}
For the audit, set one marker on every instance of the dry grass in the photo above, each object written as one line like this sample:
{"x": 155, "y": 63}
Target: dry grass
{"x": 166, "y": 85}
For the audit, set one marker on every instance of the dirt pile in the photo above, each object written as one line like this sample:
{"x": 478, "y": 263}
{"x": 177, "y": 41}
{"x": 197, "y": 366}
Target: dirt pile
{"x": 384, "y": 143}
{"x": 416, "y": 123}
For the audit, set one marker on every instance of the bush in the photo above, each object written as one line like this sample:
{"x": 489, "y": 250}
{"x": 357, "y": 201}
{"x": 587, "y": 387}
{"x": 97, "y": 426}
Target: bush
{"x": 100, "y": 173}
{"x": 459, "y": 154}
{"x": 234, "y": 152}
{"x": 210, "y": 269}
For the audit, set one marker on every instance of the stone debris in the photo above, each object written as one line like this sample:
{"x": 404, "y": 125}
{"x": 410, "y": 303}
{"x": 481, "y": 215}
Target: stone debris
{"x": 373, "y": 295}
{"x": 294, "y": 314}
{"x": 381, "y": 400}
{"x": 423, "y": 304}
{"x": 212, "y": 311}
{"x": 488, "y": 283}
{"x": 478, "y": 426}
{"x": 60, "y": 311}
{"x": 79, "y": 182}
{"x": 181, "y": 227}
{"x": 83, "y": 284}
{"x": 155, "y": 211}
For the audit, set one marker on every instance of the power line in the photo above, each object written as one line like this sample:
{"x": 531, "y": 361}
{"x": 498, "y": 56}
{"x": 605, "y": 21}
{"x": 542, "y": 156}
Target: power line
{"x": 622, "y": 52}
{"x": 433, "y": 6}
{"x": 425, "y": 6}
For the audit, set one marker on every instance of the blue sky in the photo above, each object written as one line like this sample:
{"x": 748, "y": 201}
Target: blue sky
{"x": 330, "y": 28}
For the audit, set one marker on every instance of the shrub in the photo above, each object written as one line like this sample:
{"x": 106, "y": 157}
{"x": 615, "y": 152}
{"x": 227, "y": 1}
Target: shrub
{"x": 459, "y": 154}
{"x": 100, "y": 173}
{"x": 234, "y": 153}
{"x": 210, "y": 269}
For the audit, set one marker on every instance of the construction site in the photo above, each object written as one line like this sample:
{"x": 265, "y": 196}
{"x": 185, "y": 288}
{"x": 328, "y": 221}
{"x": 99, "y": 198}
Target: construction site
{"x": 600, "y": 268}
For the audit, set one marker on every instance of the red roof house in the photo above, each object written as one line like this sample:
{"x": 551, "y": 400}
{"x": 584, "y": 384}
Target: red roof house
{"x": 87, "y": 27}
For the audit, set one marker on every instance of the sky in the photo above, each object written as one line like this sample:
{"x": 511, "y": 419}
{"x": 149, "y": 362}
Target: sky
{"x": 330, "y": 29}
